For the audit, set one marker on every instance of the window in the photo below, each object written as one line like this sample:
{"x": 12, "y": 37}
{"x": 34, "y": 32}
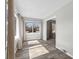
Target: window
{"x": 32, "y": 27}
{"x": 28, "y": 27}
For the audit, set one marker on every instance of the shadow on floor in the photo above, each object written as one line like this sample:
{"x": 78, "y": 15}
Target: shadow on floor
{"x": 39, "y": 49}
{"x": 23, "y": 53}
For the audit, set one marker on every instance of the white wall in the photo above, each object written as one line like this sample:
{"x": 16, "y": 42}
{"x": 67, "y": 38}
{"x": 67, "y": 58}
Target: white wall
{"x": 64, "y": 28}
{"x": 44, "y": 30}
{"x": 38, "y": 8}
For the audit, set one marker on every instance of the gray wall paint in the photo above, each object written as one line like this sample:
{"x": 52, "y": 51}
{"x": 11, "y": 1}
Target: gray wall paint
{"x": 64, "y": 28}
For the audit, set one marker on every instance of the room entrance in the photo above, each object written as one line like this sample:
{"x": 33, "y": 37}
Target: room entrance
{"x": 51, "y": 31}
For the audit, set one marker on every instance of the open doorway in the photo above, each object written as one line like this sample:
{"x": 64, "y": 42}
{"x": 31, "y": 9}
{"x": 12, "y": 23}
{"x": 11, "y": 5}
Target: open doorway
{"x": 51, "y": 30}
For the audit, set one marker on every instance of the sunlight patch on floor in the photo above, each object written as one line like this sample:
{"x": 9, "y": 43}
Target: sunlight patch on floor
{"x": 33, "y": 42}
{"x": 36, "y": 51}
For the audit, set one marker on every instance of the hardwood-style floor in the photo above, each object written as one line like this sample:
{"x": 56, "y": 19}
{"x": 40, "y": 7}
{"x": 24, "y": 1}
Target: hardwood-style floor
{"x": 39, "y": 49}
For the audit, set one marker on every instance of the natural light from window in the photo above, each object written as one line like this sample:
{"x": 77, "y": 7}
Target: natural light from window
{"x": 36, "y": 50}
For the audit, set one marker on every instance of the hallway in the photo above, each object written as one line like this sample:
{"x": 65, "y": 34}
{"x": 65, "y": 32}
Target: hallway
{"x": 39, "y": 49}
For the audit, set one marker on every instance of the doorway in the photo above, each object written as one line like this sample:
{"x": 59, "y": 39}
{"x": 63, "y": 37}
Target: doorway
{"x": 51, "y": 29}
{"x": 51, "y": 32}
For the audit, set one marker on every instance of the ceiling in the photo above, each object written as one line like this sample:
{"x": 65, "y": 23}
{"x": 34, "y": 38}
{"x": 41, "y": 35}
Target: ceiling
{"x": 38, "y": 8}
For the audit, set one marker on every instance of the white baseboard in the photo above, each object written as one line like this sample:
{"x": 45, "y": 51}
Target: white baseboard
{"x": 69, "y": 55}
{"x": 65, "y": 53}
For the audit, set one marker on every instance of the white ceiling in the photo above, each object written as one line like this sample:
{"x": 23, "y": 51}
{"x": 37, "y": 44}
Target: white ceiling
{"x": 38, "y": 8}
